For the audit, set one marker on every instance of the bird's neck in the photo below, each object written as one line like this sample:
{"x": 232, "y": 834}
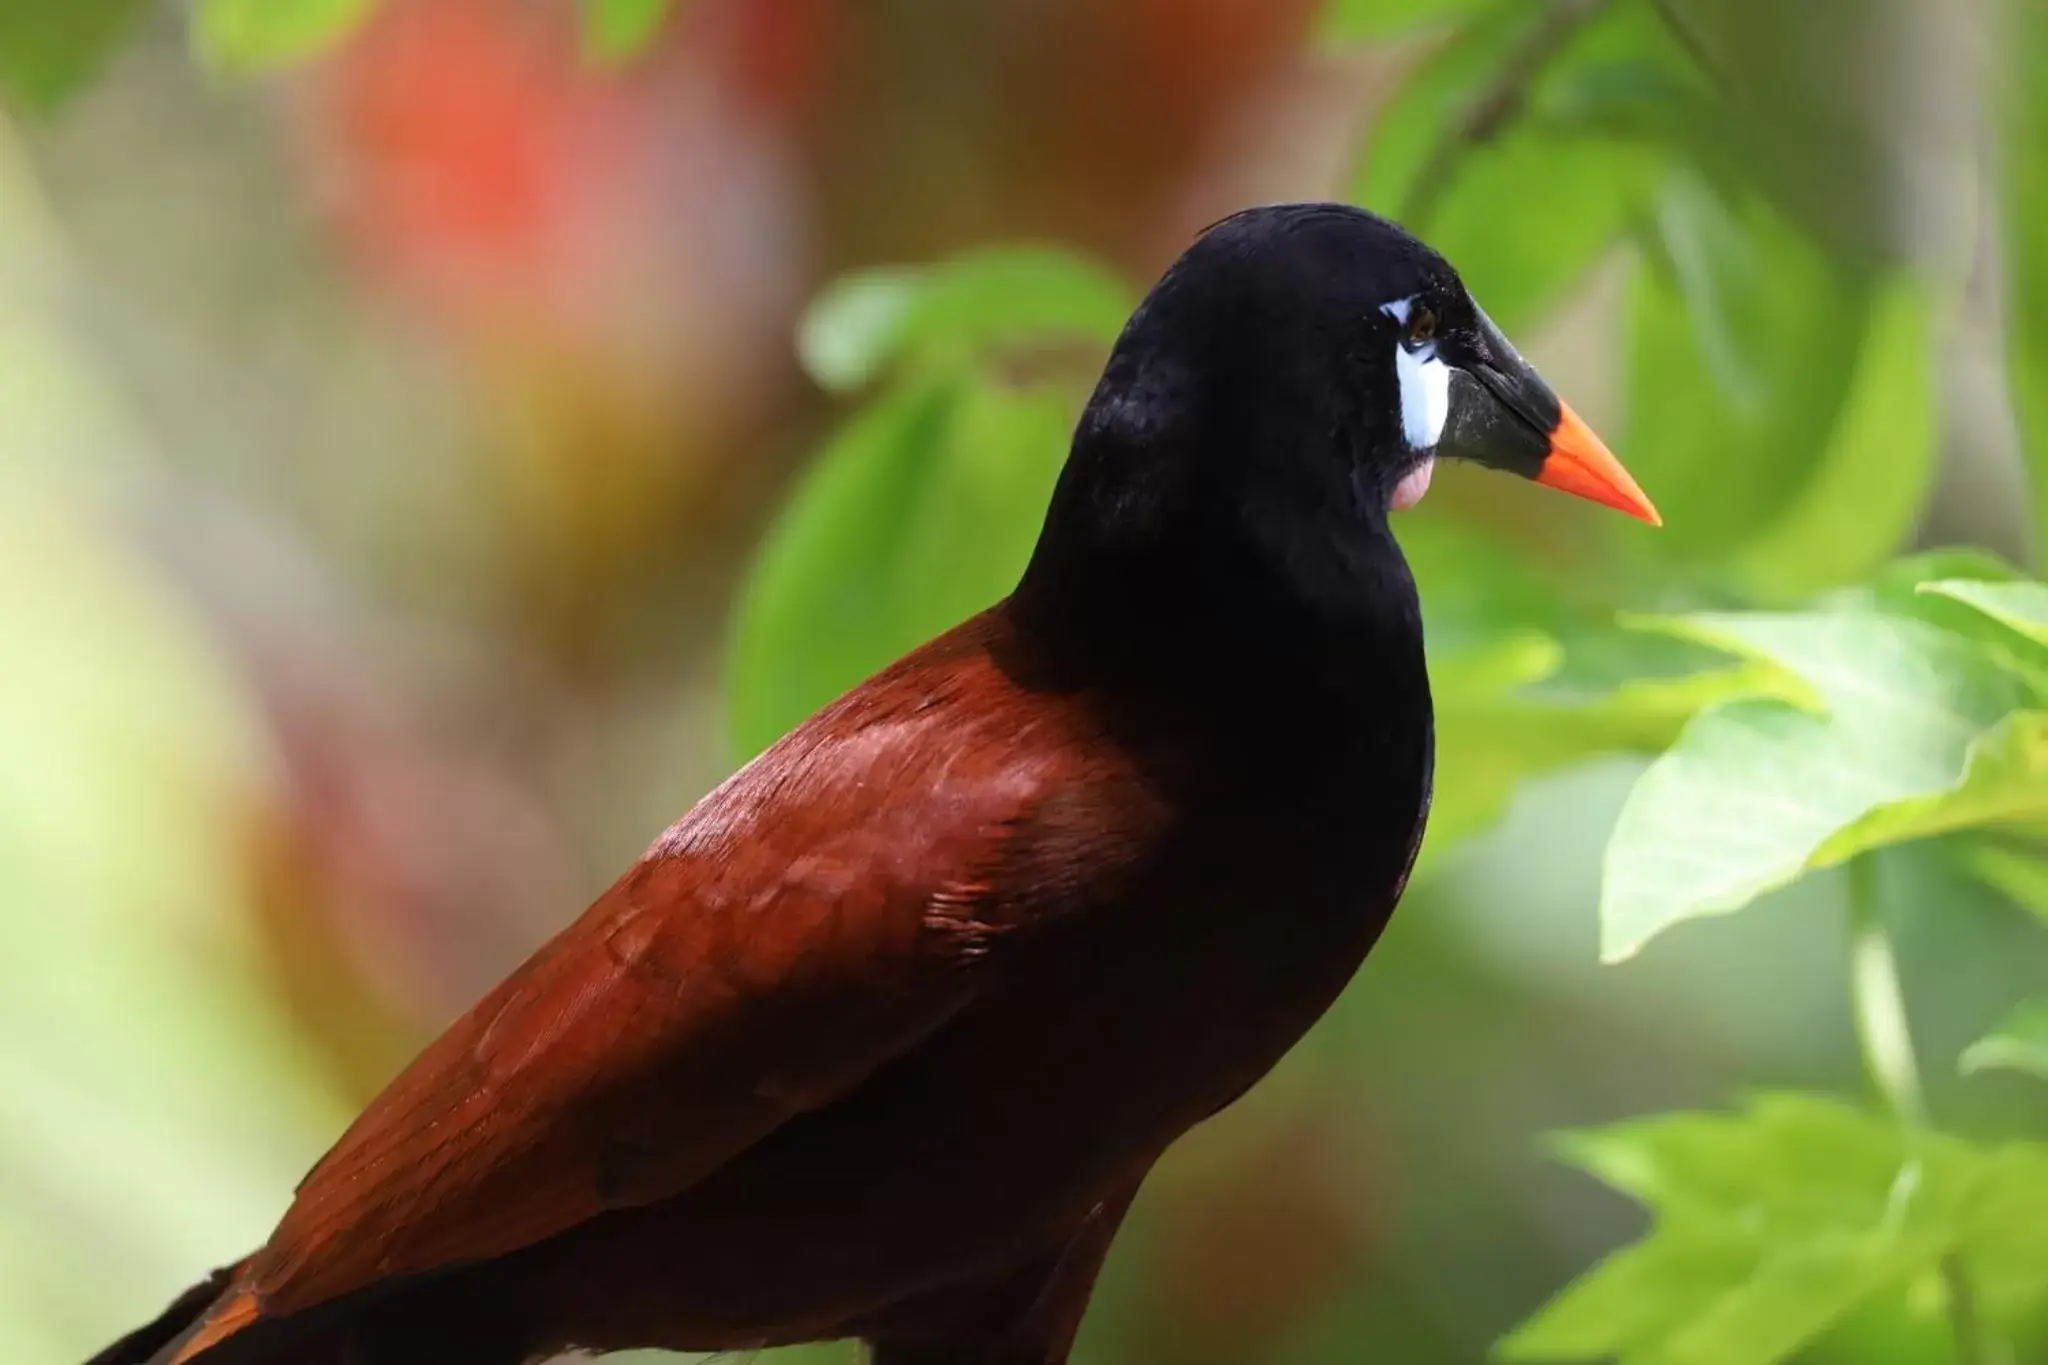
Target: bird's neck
{"x": 1303, "y": 605}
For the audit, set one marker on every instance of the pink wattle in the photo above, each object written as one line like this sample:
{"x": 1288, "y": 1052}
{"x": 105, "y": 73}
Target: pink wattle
{"x": 1413, "y": 485}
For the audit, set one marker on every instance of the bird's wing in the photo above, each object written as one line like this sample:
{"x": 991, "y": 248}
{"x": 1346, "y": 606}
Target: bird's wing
{"x": 822, "y": 912}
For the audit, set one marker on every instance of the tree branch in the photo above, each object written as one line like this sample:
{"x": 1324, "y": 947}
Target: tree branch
{"x": 1688, "y": 36}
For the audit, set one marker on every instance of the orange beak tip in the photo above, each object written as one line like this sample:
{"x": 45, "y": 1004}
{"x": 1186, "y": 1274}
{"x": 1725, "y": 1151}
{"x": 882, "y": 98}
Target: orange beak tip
{"x": 1580, "y": 463}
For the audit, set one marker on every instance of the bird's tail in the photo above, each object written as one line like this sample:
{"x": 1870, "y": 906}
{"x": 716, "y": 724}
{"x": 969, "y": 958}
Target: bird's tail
{"x": 142, "y": 1344}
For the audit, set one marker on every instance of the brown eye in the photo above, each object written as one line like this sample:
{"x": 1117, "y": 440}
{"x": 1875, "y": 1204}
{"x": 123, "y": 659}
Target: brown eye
{"x": 1422, "y": 328}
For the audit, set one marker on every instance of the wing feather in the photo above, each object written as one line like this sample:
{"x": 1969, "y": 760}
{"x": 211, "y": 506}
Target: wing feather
{"x": 795, "y": 931}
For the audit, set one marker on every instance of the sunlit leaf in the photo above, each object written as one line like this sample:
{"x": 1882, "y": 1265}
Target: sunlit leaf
{"x": 1630, "y": 1301}
{"x": 619, "y": 30}
{"x": 2006, "y": 1233}
{"x": 2005, "y": 780}
{"x": 1477, "y": 765}
{"x": 1501, "y": 720}
{"x": 1772, "y": 1225}
{"x": 1525, "y": 680}
{"x": 242, "y": 37}
{"x": 2019, "y": 1043}
{"x": 869, "y": 321}
{"x": 47, "y": 51}
{"x": 1753, "y": 792}
{"x": 2021, "y": 606}
{"x": 1716, "y": 1296}
{"x": 1928, "y": 587}
{"x": 1798, "y": 1154}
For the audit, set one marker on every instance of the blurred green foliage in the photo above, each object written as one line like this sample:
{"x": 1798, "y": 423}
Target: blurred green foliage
{"x": 1776, "y": 1222}
{"x": 2019, "y": 1043}
{"x": 48, "y": 51}
{"x": 1797, "y": 700}
{"x": 911, "y": 518}
{"x": 1906, "y": 729}
{"x": 615, "y": 30}
{"x": 240, "y": 37}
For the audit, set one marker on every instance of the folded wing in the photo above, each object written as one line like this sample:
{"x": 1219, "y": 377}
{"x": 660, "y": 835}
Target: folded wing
{"x": 830, "y": 906}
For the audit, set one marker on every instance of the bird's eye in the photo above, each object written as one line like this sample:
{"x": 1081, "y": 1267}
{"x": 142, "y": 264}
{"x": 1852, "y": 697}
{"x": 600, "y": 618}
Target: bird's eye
{"x": 1422, "y": 327}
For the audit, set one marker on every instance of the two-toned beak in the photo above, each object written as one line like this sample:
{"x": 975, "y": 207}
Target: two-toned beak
{"x": 1503, "y": 415}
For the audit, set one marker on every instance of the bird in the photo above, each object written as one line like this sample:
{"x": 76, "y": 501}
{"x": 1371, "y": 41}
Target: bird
{"x": 880, "y": 1039}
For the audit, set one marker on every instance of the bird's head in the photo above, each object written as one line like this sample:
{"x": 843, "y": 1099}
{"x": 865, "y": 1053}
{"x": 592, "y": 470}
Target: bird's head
{"x": 1312, "y": 361}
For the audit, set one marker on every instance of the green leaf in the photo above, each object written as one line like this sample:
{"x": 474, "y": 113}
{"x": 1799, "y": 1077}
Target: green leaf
{"x": 1927, "y": 588}
{"x": 1525, "y": 680}
{"x": 1485, "y": 747}
{"x": 1742, "y": 349}
{"x": 2005, "y": 780}
{"x": 1754, "y": 791}
{"x": 2020, "y": 606}
{"x": 869, "y": 321}
{"x": 813, "y": 603}
{"x": 2005, "y": 1233}
{"x": 1801, "y": 1159}
{"x": 921, "y": 512}
{"x": 1724, "y": 1300}
{"x": 1630, "y": 1300}
{"x": 48, "y": 51}
{"x": 1774, "y": 1224}
{"x": 1912, "y": 575}
{"x": 2020, "y": 1043}
{"x": 2021, "y": 876}
{"x": 616, "y": 31}
{"x": 1503, "y": 717}
{"x": 244, "y": 37}
{"x": 1864, "y": 495}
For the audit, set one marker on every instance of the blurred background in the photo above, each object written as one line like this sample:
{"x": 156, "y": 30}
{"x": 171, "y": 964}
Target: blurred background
{"x": 440, "y": 438}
